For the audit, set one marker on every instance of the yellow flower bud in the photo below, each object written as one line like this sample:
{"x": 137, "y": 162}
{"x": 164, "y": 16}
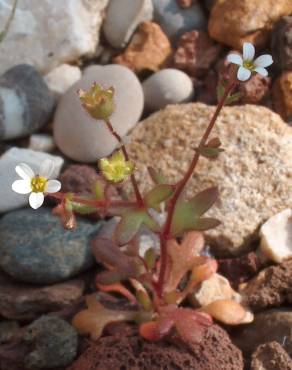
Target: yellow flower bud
{"x": 116, "y": 168}
{"x": 98, "y": 102}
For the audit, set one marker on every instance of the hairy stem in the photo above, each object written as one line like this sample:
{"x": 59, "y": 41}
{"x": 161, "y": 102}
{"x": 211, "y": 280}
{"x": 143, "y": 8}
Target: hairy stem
{"x": 181, "y": 185}
{"x": 124, "y": 150}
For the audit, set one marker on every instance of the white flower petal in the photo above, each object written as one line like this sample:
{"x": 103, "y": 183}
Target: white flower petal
{"x": 53, "y": 186}
{"x": 24, "y": 171}
{"x": 21, "y": 186}
{"x": 36, "y": 200}
{"x": 243, "y": 74}
{"x": 262, "y": 71}
{"x": 47, "y": 168}
{"x": 235, "y": 58}
{"x": 263, "y": 61}
{"x": 248, "y": 51}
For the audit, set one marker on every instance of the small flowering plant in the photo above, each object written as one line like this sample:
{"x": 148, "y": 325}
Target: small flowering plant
{"x": 156, "y": 283}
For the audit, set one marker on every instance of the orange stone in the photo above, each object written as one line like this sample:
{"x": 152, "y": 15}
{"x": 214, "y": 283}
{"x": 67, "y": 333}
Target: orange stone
{"x": 282, "y": 95}
{"x": 149, "y": 49}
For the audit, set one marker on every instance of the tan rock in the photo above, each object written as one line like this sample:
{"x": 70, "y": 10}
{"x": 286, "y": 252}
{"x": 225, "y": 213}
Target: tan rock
{"x": 253, "y": 173}
{"x": 282, "y": 95}
{"x": 217, "y": 287}
{"x": 233, "y": 22}
{"x": 276, "y": 236}
{"x": 149, "y": 49}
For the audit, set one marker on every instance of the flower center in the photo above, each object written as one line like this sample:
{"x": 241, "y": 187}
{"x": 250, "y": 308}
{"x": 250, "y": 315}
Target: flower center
{"x": 38, "y": 184}
{"x": 248, "y": 64}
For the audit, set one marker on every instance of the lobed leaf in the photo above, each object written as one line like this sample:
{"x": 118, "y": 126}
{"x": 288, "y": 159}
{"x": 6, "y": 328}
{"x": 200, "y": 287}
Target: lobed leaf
{"x": 83, "y": 209}
{"x": 157, "y": 195}
{"x": 156, "y": 177}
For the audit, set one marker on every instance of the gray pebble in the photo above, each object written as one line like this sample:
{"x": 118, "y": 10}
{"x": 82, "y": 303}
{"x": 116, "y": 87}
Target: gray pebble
{"x": 175, "y": 20}
{"x": 123, "y": 17}
{"x": 54, "y": 342}
{"x": 26, "y": 103}
{"x": 34, "y": 247}
{"x": 167, "y": 86}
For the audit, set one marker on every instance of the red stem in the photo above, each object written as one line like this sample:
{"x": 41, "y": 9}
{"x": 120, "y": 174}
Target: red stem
{"x": 181, "y": 185}
{"x": 126, "y": 155}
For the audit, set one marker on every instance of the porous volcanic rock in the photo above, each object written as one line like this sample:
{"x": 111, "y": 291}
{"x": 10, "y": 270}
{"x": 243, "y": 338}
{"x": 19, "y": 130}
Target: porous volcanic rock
{"x": 233, "y": 22}
{"x": 216, "y": 351}
{"x": 271, "y": 356}
{"x": 253, "y": 173}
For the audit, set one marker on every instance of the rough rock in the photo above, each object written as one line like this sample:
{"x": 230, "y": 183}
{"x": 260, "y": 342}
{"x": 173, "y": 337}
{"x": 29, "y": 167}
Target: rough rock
{"x": 268, "y": 326}
{"x": 8, "y": 331}
{"x": 149, "y": 49}
{"x": 26, "y": 103}
{"x": 276, "y": 237}
{"x": 282, "y": 95}
{"x": 82, "y": 138}
{"x": 254, "y": 90}
{"x": 272, "y": 287}
{"x": 10, "y": 200}
{"x": 216, "y": 351}
{"x": 19, "y": 301}
{"x": 196, "y": 53}
{"x": 48, "y": 35}
{"x": 256, "y": 17}
{"x": 167, "y": 86}
{"x": 271, "y": 356}
{"x": 253, "y": 173}
{"x": 54, "y": 343}
{"x": 282, "y": 43}
{"x": 61, "y": 78}
{"x": 41, "y": 143}
{"x": 240, "y": 269}
{"x": 34, "y": 247}
{"x": 175, "y": 21}
{"x": 123, "y": 17}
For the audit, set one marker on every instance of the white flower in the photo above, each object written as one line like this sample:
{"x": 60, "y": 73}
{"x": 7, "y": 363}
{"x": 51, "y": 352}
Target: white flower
{"x": 36, "y": 185}
{"x": 248, "y": 64}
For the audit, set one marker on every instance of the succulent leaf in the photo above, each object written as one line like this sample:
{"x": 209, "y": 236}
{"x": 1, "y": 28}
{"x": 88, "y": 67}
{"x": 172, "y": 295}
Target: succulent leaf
{"x": 157, "y": 195}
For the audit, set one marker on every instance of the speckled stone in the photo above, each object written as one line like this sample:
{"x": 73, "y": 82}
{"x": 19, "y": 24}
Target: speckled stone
{"x": 253, "y": 173}
{"x": 34, "y": 247}
{"x": 54, "y": 343}
{"x": 26, "y": 103}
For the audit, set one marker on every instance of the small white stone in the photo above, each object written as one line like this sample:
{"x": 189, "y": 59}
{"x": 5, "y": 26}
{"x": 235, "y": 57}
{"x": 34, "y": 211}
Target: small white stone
{"x": 217, "y": 287}
{"x": 10, "y": 200}
{"x": 123, "y": 17}
{"x": 276, "y": 236}
{"x": 48, "y": 33}
{"x": 41, "y": 143}
{"x": 81, "y": 137}
{"x": 61, "y": 78}
{"x": 168, "y": 86}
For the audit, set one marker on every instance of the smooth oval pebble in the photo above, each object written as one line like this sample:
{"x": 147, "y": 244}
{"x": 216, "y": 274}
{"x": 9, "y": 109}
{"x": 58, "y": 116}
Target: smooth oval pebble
{"x": 168, "y": 86}
{"x": 26, "y": 103}
{"x": 123, "y": 17}
{"x": 81, "y": 137}
{"x": 34, "y": 247}
{"x": 175, "y": 20}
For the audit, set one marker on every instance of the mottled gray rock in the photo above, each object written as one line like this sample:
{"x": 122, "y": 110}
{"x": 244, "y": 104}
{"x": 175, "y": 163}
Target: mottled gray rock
{"x": 22, "y": 301}
{"x": 34, "y": 247}
{"x": 55, "y": 32}
{"x": 26, "y": 103}
{"x": 81, "y": 137}
{"x": 123, "y": 17}
{"x": 10, "y": 200}
{"x": 54, "y": 343}
{"x": 168, "y": 86}
{"x": 175, "y": 21}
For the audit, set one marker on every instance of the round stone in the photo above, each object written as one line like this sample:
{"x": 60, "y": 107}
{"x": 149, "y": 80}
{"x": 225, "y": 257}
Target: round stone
{"x": 34, "y": 247}
{"x": 168, "y": 86}
{"x": 81, "y": 137}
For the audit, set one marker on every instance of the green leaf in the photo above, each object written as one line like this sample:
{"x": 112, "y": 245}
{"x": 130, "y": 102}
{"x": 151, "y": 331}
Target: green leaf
{"x": 83, "y": 209}
{"x": 130, "y": 224}
{"x": 202, "y": 224}
{"x": 233, "y": 98}
{"x": 158, "y": 195}
{"x": 210, "y": 153}
{"x": 220, "y": 91}
{"x": 187, "y": 213}
{"x": 99, "y": 190}
{"x": 156, "y": 177}
{"x": 214, "y": 143}
{"x": 150, "y": 258}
